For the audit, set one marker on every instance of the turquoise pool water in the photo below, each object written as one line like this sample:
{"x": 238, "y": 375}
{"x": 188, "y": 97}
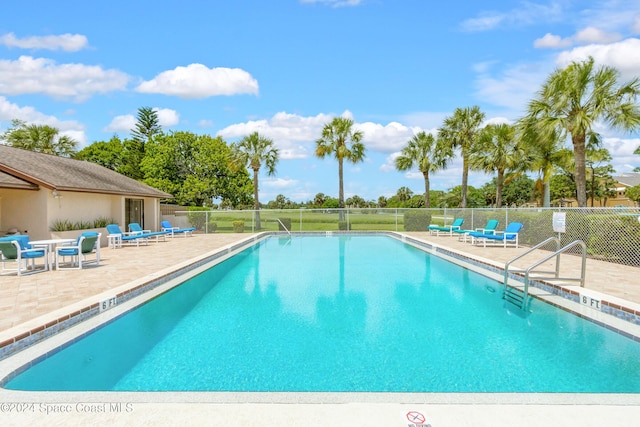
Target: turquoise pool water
{"x": 343, "y": 314}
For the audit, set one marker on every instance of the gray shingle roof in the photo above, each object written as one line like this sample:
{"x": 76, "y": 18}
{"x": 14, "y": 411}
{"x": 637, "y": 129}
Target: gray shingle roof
{"x": 19, "y": 168}
{"x": 10, "y": 181}
{"x": 629, "y": 179}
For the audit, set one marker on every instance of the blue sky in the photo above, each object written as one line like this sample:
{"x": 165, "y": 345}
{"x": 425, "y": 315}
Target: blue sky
{"x": 284, "y": 68}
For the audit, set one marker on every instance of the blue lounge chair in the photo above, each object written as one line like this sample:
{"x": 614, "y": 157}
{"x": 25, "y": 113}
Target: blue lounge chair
{"x": 136, "y": 230}
{"x": 508, "y": 237}
{"x": 448, "y": 229}
{"x": 489, "y": 228}
{"x": 87, "y": 243}
{"x": 187, "y": 231}
{"x": 17, "y": 248}
{"x": 117, "y": 237}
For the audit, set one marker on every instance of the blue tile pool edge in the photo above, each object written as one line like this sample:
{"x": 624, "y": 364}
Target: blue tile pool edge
{"x": 29, "y": 338}
{"x": 609, "y": 308}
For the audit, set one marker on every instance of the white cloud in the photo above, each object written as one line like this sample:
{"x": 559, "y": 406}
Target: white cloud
{"x": 595, "y": 35}
{"x": 66, "y": 42}
{"x": 121, "y": 124}
{"x": 125, "y": 123}
{"x": 497, "y": 121}
{"x": 611, "y": 15}
{"x": 551, "y": 41}
{"x": 167, "y": 117}
{"x": 622, "y": 153}
{"x": 622, "y": 55}
{"x": 587, "y": 35}
{"x": 198, "y": 81}
{"x": 528, "y": 14}
{"x": 278, "y": 183}
{"x": 292, "y": 134}
{"x": 513, "y": 88}
{"x": 390, "y": 162}
{"x": 295, "y": 135}
{"x": 28, "y": 75}
{"x": 386, "y": 138}
{"x": 10, "y": 111}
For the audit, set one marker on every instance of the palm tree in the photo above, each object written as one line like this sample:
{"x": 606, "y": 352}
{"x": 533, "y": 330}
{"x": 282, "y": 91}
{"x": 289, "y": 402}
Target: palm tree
{"x": 404, "y": 194}
{"x": 461, "y": 131}
{"x": 423, "y": 151}
{"x": 573, "y": 99}
{"x": 497, "y": 151}
{"x": 546, "y": 153}
{"x": 339, "y": 138}
{"x": 252, "y": 151}
{"x": 39, "y": 138}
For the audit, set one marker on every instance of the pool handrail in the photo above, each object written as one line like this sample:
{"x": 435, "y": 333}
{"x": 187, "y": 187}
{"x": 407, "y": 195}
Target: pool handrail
{"x": 283, "y": 226}
{"x": 556, "y": 275}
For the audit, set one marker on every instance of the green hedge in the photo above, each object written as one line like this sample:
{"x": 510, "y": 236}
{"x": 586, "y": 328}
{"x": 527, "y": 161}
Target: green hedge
{"x": 238, "y": 226}
{"x": 417, "y": 220}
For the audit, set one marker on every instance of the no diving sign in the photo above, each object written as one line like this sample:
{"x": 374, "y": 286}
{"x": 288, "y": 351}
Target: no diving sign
{"x": 416, "y": 419}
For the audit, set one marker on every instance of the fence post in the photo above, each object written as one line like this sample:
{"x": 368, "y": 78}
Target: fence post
{"x": 396, "y": 216}
{"x": 348, "y": 224}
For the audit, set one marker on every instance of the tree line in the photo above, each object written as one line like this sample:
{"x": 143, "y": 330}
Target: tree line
{"x": 197, "y": 169}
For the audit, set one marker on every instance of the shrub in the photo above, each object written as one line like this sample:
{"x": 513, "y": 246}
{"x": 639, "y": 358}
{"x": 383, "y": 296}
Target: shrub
{"x": 417, "y": 220}
{"x": 61, "y": 225}
{"x": 66, "y": 225}
{"x": 196, "y": 217}
{"x": 82, "y": 225}
{"x": 102, "y": 222}
{"x": 238, "y": 226}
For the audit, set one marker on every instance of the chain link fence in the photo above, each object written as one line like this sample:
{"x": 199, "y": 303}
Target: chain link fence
{"x": 611, "y": 234}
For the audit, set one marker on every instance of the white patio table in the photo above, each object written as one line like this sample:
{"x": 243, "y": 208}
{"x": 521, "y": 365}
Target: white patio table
{"x": 51, "y": 247}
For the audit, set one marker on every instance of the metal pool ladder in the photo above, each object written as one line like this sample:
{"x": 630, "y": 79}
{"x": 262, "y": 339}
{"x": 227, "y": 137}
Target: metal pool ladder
{"x": 283, "y": 226}
{"x": 519, "y": 296}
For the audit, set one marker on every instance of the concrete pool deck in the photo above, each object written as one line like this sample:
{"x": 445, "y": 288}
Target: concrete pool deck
{"x": 30, "y": 301}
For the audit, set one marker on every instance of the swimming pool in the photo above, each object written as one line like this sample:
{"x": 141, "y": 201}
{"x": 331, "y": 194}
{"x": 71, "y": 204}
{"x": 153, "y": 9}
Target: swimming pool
{"x": 348, "y": 313}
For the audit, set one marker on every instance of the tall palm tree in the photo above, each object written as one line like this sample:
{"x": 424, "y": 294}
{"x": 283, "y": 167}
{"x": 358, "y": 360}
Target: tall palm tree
{"x": 39, "y": 138}
{"x": 252, "y": 151}
{"x": 546, "y": 153}
{"x": 340, "y": 139}
{"x": 573, "y": 99}
{"x": 498, "y": 151}
{"x": 424, "y": 152}
{"x": 461, "y": 131}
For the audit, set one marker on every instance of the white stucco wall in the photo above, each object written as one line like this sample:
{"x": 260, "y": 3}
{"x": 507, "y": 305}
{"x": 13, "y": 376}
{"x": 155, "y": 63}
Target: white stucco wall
{"x": 77, "y": 207}
{"x": 36, "y": 211}
{"x": 25, "y": 210}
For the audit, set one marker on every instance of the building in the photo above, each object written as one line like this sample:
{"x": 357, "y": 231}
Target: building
{"x": 39, "y": 190}
{"x": 624, "y": 181}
